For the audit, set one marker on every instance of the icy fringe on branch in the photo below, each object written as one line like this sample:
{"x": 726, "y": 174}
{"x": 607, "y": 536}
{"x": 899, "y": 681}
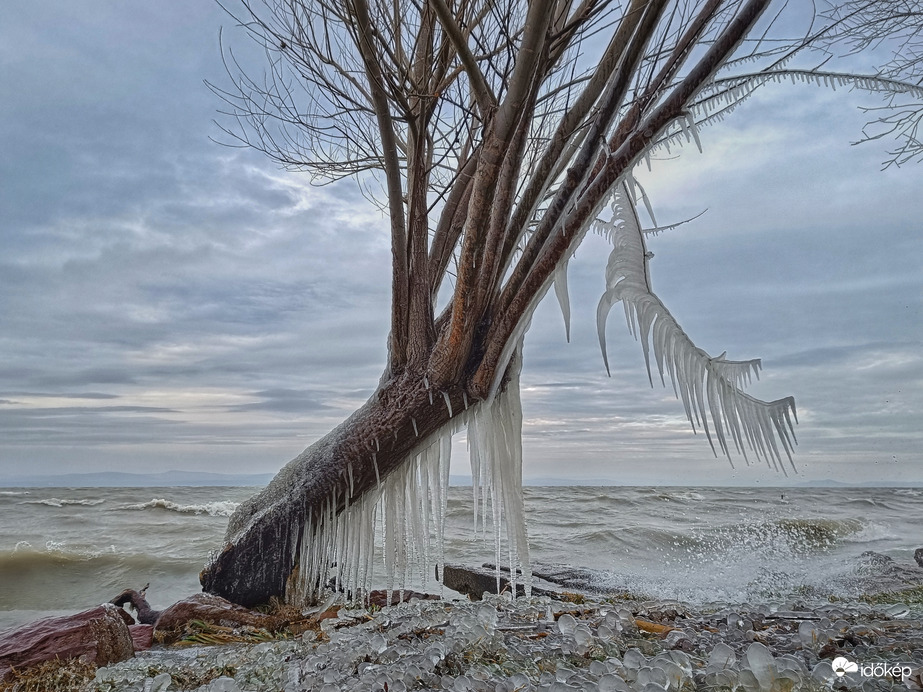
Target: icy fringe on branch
{"x": 407, "y": 511}
{"x": 724, "y": 94}
{"x": 708, "y": 387}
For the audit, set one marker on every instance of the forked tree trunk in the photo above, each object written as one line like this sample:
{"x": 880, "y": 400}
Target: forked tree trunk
{"x": 264, "y": 534}
{"x": 512, "y": 216}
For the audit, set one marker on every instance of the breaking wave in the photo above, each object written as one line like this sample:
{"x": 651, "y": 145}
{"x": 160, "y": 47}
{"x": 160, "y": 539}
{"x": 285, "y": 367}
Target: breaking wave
{"x": 54, "y": 551}
{"x": 224, "y": 508}
{"x": 61, "y": 576}
{"x": 57, "y": 502}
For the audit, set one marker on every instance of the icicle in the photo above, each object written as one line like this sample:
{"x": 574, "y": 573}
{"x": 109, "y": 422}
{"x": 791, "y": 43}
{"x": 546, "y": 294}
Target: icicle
{"x": 465, "y": 399}
{"x": 377, "y": 475}
{"x": 693, "y": 128}
{"x": 495, "y": 438}
{"x": 349, "y": 472}
{"x": 684, "y": 128}
{"x": 426, "y": 382}
{"x": 377, "y": 448}
{"x": 631, "y": 185}
{"x": 415, "y": 431}
{"x": 448, "y": 403}
{"x": 560, "y": 290}
{"x": 647, "y": 202}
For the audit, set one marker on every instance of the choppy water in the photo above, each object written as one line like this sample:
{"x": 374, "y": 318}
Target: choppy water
{"x": 63, "y": 550}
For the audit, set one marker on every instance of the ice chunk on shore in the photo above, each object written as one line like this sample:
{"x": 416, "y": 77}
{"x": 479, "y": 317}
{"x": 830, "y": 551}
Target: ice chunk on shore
{"x": 722, "y": 658}
{"x": 761, "y": 663}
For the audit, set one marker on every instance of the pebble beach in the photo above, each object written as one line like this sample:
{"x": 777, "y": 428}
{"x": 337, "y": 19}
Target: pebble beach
{"x": 542, "y": 643}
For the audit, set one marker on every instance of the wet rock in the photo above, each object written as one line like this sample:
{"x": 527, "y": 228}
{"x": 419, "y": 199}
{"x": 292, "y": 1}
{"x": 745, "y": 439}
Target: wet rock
{"x": 918, "y": 556}
{"x": 471, "y": 581}
{"x": 872, "y": 559}
{"x": 99, "y": 635}
{"x": 379, "y": 597}
{"x": 880, "y": 574}
{"x": 474, "y": 582}
{"x": 576, "y": 578}
{"x": 208, "y": 608}
{"x": 142, "y": 636}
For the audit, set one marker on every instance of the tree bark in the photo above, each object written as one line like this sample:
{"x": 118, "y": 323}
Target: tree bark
{"x": 264, "y": 534}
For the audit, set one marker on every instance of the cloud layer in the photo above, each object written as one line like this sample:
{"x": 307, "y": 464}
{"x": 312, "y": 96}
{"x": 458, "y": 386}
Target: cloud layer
{"x": 166, "y": 302}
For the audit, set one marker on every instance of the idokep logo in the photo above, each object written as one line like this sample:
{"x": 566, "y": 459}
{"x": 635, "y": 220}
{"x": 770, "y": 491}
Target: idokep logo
{"x": 842, "y": 666}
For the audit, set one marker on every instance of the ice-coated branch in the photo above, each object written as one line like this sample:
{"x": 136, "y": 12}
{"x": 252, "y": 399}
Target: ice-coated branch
{"x": 709, "y": 387}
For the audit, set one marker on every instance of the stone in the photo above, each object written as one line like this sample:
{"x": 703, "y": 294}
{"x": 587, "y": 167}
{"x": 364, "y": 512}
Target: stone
{"x": 142, "y": 636}
{"x": 208, "y": 608}
{"x": 379, "y": 597}
{"x": 918, "y": 556}
{"x": 99, "y": 636}
{"x": 872, "y": 559}
{"x": 475, "y": 582}
{"x": 472, "y": 582}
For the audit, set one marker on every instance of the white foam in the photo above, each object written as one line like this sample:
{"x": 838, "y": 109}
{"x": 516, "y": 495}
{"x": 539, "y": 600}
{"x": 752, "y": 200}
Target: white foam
{"x": 57, "y": 502}
{"x": 223, "y": 508}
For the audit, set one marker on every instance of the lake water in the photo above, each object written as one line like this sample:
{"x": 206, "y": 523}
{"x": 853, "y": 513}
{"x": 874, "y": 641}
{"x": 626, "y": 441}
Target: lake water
{"x": 63, "y": 550}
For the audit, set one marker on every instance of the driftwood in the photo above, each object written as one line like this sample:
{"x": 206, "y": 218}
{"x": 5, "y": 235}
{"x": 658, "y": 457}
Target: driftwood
{"x": 136, "y": 599}
{"x": 99, "y": 636}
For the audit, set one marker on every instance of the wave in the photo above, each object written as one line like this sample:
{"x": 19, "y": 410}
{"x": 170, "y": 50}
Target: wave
{"x": 59, "y": 576}
{"x": 55, "y": 551}
{"x": 25, "y": 559}
{"x": 818, "y": 533}
{"x": 14, "y": 492}
{"x": 223, "y": 508}
{"x": 872, "y": 533}
{"x": 681, "y": 495}
{"x": 57, "y": 502}
{"x": 909, "y": 492}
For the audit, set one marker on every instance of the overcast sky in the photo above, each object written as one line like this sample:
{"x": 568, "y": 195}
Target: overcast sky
{"x": 168, "y": 303}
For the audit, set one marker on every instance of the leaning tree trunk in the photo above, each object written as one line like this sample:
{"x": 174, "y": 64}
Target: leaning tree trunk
{"x": 265, "y": 533}
{"x": 512, "y": 216}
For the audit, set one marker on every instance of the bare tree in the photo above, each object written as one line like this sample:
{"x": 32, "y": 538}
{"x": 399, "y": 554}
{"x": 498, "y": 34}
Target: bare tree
{"x": 499, "y": 132}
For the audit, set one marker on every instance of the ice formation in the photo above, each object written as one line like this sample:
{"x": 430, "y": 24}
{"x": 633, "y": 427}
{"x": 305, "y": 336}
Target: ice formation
{"x": 709, "y": 387}
{"x": 560, "y": 291}
{"x": 407, "y": 509}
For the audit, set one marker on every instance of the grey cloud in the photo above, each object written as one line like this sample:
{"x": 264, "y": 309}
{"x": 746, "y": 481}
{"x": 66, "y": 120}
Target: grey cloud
{"x": 139, "y": 256}
{"x": 283, "y": 401}
{"x": 65, "y": 395}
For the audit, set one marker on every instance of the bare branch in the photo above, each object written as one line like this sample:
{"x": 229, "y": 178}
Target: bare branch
{"x": 483, "y": 94}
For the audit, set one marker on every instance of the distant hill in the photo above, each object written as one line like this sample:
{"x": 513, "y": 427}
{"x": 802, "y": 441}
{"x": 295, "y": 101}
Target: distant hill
{"x": 114, "y": 479}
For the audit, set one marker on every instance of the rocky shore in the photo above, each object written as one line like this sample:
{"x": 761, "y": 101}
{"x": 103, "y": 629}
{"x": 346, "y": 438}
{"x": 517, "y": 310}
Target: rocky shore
{"x": 547, "y": 644}
{"x": 564, "y": 640}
